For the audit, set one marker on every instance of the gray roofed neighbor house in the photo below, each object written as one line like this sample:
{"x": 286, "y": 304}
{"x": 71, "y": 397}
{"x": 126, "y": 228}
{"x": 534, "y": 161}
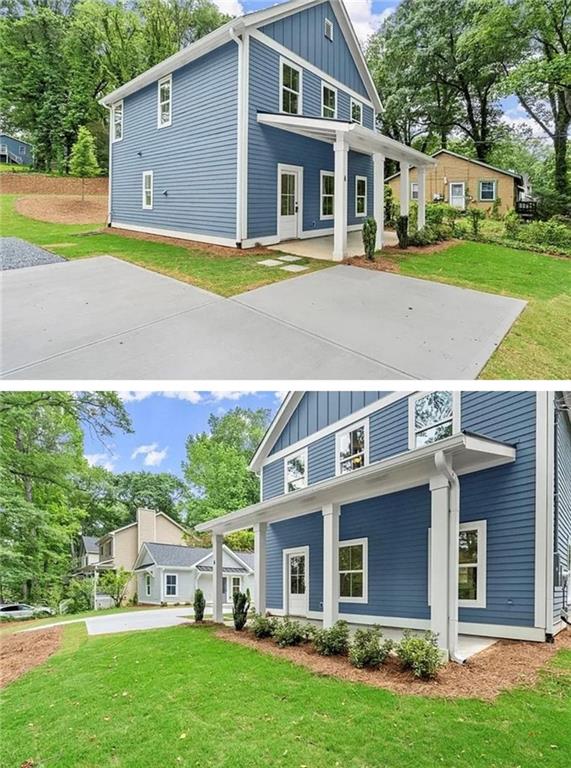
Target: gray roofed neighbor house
{"x": 180, "y": 556}
{"x": 91, "y": 544}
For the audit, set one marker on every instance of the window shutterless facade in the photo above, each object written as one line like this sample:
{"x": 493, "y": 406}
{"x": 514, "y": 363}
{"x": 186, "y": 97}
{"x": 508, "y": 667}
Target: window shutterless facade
{"x": 164, "y": 116}
{"x": 360, "y": 196}
{"x": 290, "y": 88}
{"x": 171, "y": 584}
{"x": 296, "y": 471}
{"x": 117, "y": 121}
{"x": 433, "y": 416}
{"x": 356, "y": 112}
{"x": 328, "y": 101}
{"x": 147, "y": 190}
{"x": 487, "y": 191}
{"x": 353, "y": 559}
{"x": 327, "y": 194}
{"x": 352, "y": 448}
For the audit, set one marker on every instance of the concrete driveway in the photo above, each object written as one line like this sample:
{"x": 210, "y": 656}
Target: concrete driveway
{"x": 127, "y": 621}
{"x": 102, "y": 318}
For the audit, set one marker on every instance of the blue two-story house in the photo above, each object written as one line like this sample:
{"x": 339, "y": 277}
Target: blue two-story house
{"x": 448, "y": 511}
{"x": 15, "y": 151}
{"x": 260, "y": 132}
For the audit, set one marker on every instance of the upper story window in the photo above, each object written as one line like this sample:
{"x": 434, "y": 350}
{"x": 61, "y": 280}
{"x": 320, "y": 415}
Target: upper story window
{"x": 165, "y": 102}
{"x": 327, "y": 194}
{"x": 488, "y": 191}
{"x": 351, "y": 448}
{"x": 472, "y": 565}
{"x": 432, "y": 416}
{"x": 117, "y": 121}
{"x": 290, "y": 88}
{"x": 296, "y": 472}
{"x": 328, "y": 29}
{"x": 360, "y": 196}
{"x": 353, "y": 571}
{"x": 148, "y": 189}
{"x": 356, "y": 112}
{"x": 328, "y": 101}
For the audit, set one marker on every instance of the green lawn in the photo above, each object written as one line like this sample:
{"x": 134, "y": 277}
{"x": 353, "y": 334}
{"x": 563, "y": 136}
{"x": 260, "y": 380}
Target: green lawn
{"x": 538, "y": 346}
{"x": 225, "y": 275}
{"x": 181, "y": 697}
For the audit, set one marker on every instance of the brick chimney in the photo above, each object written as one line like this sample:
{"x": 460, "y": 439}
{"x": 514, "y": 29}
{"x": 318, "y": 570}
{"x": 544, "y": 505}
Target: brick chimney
{"x": 146, "y": 528}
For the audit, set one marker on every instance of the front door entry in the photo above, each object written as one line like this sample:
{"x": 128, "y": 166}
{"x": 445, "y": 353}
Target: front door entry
{"x": 289, "y": 202}
{"x": 297, "y": 584}
{"x": 457, "y": 194}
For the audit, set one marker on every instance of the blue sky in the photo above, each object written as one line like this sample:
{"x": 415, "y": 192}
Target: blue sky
{"x": 162, "y": 421}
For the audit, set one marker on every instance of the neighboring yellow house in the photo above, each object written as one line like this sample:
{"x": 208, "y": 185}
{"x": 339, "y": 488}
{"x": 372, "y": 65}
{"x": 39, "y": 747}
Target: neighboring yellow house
{"x": 462, "y": 181}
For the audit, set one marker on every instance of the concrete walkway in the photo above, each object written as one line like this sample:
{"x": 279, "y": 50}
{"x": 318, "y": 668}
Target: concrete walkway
{"x": 322, "y": 247}
{"x": 103, "y": 318}
{"x": 127, "y": 621}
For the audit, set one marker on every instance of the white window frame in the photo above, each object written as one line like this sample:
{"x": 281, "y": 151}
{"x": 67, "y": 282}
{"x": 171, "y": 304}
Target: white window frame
{"x": 161, "y": 82}
{"x": 456, "y": 415}
{"x": 340, "y": 434}
{"x": 487, "y": 199}
{"x": 359, "y": 104}
{"x": 328, "y": 29}
{"x": 331, "y": 88}
{"x": 148, "y": 174}
{"x": 114, "y": 107}
{"x": 414, "y": 190}
{"x": 175, "y": 584}
{"x": 147, "y": 585}
{"x": 239, "y": 579}
{"x": 22, "y": 150}
{"x": 291, "y": 456}
{"x": 481, "y": 583}
{"x": 322, "y": 216}
{"x": 289, "y": 63}
{"x": 364, "y": 542}
{"x": 357, "y": 196}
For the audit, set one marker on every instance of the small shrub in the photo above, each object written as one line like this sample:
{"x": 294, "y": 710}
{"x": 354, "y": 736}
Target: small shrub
{"x": 333, "y": 641}
{"x": 263, "y": 626}
{"x": 476, "y": 216}
{"x": 402, "y": 232}
{"x": 428, "y": 235}
{"x": 370, "y": 237}
{"x": 390, "y": 207}
{"x": 551, "y": 232}
{"x": 368, "y": 650}
{"x": 495, "y": 209}
{"x": 199, "y": 605}
{"x": 412, "y": 216}
{"x": 79, "y": 595}
{"x": 512, "y": 225}
{"x": 240, "y": 609}
{"x": 288, "y": 632}
{"x": 420, "y": 654}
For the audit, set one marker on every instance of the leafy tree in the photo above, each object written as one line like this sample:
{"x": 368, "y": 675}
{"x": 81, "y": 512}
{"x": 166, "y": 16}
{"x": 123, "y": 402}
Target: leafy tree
{"x": 114, "y": 584}
{"x": 83, "y": 162}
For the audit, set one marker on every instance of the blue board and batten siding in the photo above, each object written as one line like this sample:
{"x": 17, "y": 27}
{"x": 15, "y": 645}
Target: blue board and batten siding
{"x": 562, "y": 521}
{"x": 194, "y": 160}
{"x": 397, "y": 524}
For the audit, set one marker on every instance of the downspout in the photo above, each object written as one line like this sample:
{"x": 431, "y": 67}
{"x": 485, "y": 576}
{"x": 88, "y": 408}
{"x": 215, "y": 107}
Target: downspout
{"x": 454, "y": 533}
{"x": 239, "y": 155}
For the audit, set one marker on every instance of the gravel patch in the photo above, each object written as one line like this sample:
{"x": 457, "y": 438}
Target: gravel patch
{"x": 16, "y": 253}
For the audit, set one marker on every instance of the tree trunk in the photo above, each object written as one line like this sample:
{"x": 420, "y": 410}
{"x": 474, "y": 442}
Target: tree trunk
{"x": 560, "y": 148}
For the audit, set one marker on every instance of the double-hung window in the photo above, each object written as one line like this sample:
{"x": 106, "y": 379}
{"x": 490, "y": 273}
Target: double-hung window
{"x": 353, "y": 571}
{"x": 147, "y": 190}
{"x": 356, "y": 112}
{"x": 236, "y": 585}
{"x": 487, "y": 191}
{"x": 296, "y": 472}
{"x": 414, "y": 191}
{"x": 360, "y": 196}
{"x": 117, "y": 121}
{"x": 432, "y": 416}
{"x": 290, "y": 88}
{"x": 327, "y": 194}
{"x": 164, "y": 116}
{"x": 171, "y": 584}
{"x": 148, "y": 584}
{"x": 328, "y": 101}
{"x": 472, "y": 564}
{"x": 351, "y": 448}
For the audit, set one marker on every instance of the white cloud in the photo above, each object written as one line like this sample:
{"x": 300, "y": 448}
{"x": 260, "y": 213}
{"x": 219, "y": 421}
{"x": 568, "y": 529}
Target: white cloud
{"x": 365, "y": 21}
{"x": 217, "y": 396}
{"x": 100, "y": 460}
{"x": 518, "y": 117}
{"x": 231, "y": 7}
{"x": 281, "y": 396}
{"x": 191, "y": 397}
{"x": 153, "y": 457}
{"x": 134, "y": 397}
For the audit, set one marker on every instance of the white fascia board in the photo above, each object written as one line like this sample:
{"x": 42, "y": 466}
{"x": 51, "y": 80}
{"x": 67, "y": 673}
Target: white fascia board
{"x": 272, "y": 433}
{"x": 143, "y": 549}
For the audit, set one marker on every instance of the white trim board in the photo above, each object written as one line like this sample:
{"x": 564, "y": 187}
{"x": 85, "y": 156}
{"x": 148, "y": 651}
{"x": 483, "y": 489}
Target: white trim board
{"x": 199, "y": 238}
{"x": 541, "y": 533}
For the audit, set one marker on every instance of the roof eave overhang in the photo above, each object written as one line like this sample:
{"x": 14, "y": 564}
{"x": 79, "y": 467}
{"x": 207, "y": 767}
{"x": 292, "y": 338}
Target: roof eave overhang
{"x": 279, "y": 421}
{"x": 466, "y": 453}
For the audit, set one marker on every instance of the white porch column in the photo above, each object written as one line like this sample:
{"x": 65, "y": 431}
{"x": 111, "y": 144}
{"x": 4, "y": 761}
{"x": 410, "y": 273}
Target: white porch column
{"x": 454, "y": 537}
{"x": 439, "y": 555}
{"x": 260, "y": 530}
{"x": 341, "y": 152}
{"x": 217, "y": 592}
{"x": 421, "y": 178}
{"x": 404, "y": 189}
{"x": 330, "y": 564}
{"x": 379, "y": 197}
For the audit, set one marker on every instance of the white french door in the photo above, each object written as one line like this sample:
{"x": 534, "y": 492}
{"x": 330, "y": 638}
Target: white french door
{"x": 290, "y": 190}
{"x": 458, "y": 194}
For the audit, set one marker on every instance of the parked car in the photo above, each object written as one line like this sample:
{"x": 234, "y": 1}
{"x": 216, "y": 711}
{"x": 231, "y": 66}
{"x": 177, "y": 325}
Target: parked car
{"x": 24, "y": 611}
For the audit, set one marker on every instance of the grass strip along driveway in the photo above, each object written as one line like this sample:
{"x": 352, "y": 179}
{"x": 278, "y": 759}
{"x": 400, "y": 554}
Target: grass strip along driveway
{"x": 182, "y": 697}
{"x": 227, "y": 275}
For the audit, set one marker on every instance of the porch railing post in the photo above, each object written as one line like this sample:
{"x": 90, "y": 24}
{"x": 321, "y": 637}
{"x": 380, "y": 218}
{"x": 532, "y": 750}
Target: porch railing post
{"x": 260, "y": 530}
{"x": 379, "y": 197}
{"x": 217, "y": 591}
{"x": 330, "y": 564}
{"x": 341, "y": 152}
{"x": 439, "y": 555}
{"x": 421, "y": 177}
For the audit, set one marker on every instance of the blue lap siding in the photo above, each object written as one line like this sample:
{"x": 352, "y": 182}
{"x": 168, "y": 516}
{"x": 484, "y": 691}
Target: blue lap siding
{"x": 193, "y": 160}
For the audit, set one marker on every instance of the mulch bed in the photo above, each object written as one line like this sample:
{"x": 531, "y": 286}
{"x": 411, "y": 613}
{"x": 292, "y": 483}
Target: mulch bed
{"x": 504, "y": 665}
{"x": 192, "y": 245}
{"x": 40, "y": 184}
{"x": 383, "y": 264}
{"x": 61, "y": 209}
{"x": 22, "y": 651}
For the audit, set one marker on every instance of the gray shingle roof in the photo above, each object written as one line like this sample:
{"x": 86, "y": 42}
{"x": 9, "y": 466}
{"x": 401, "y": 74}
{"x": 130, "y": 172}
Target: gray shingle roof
{"x": 91, "y": 544}
{"x": 177, "y": 555}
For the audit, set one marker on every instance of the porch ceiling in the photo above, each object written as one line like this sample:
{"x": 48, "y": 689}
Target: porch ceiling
{"x": 465, "y": 453}
{"x": 357, "y": 137}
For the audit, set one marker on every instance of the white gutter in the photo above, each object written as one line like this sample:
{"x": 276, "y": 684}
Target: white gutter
{"x": 110, "y": 163}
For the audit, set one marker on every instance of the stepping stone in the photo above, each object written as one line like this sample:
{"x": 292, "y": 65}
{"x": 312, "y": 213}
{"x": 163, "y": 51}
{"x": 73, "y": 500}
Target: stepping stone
{"x": 294, "y": 268}
{"x": 290, "y": 258}
{"x": 270, "y": 263}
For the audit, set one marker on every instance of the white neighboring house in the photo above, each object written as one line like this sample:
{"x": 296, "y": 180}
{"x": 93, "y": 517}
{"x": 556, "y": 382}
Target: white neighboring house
{"x": 167, "y": 573}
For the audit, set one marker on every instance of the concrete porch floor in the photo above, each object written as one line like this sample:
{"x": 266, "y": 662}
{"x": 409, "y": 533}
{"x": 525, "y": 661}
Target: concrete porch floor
{"x": 322, "y": 247}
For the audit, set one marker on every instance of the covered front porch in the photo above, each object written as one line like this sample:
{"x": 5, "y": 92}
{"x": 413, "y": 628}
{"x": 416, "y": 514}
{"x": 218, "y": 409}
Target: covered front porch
{"x": 346, "y": 137}
{"x": 323, "y": 247}
{"x": 435, "y": 469}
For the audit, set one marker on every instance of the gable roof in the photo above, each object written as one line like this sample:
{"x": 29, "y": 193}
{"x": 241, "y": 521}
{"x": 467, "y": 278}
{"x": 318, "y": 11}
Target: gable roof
{"x": 181, "y": 556}
{"x": 513, "y": 174}
{"x": 90, "y": 544}
{"x": 234, "y": 27}
{"x": 286, "y": 409}
{"x": 130, "y": 525}
{"x": 19, "y": 141}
